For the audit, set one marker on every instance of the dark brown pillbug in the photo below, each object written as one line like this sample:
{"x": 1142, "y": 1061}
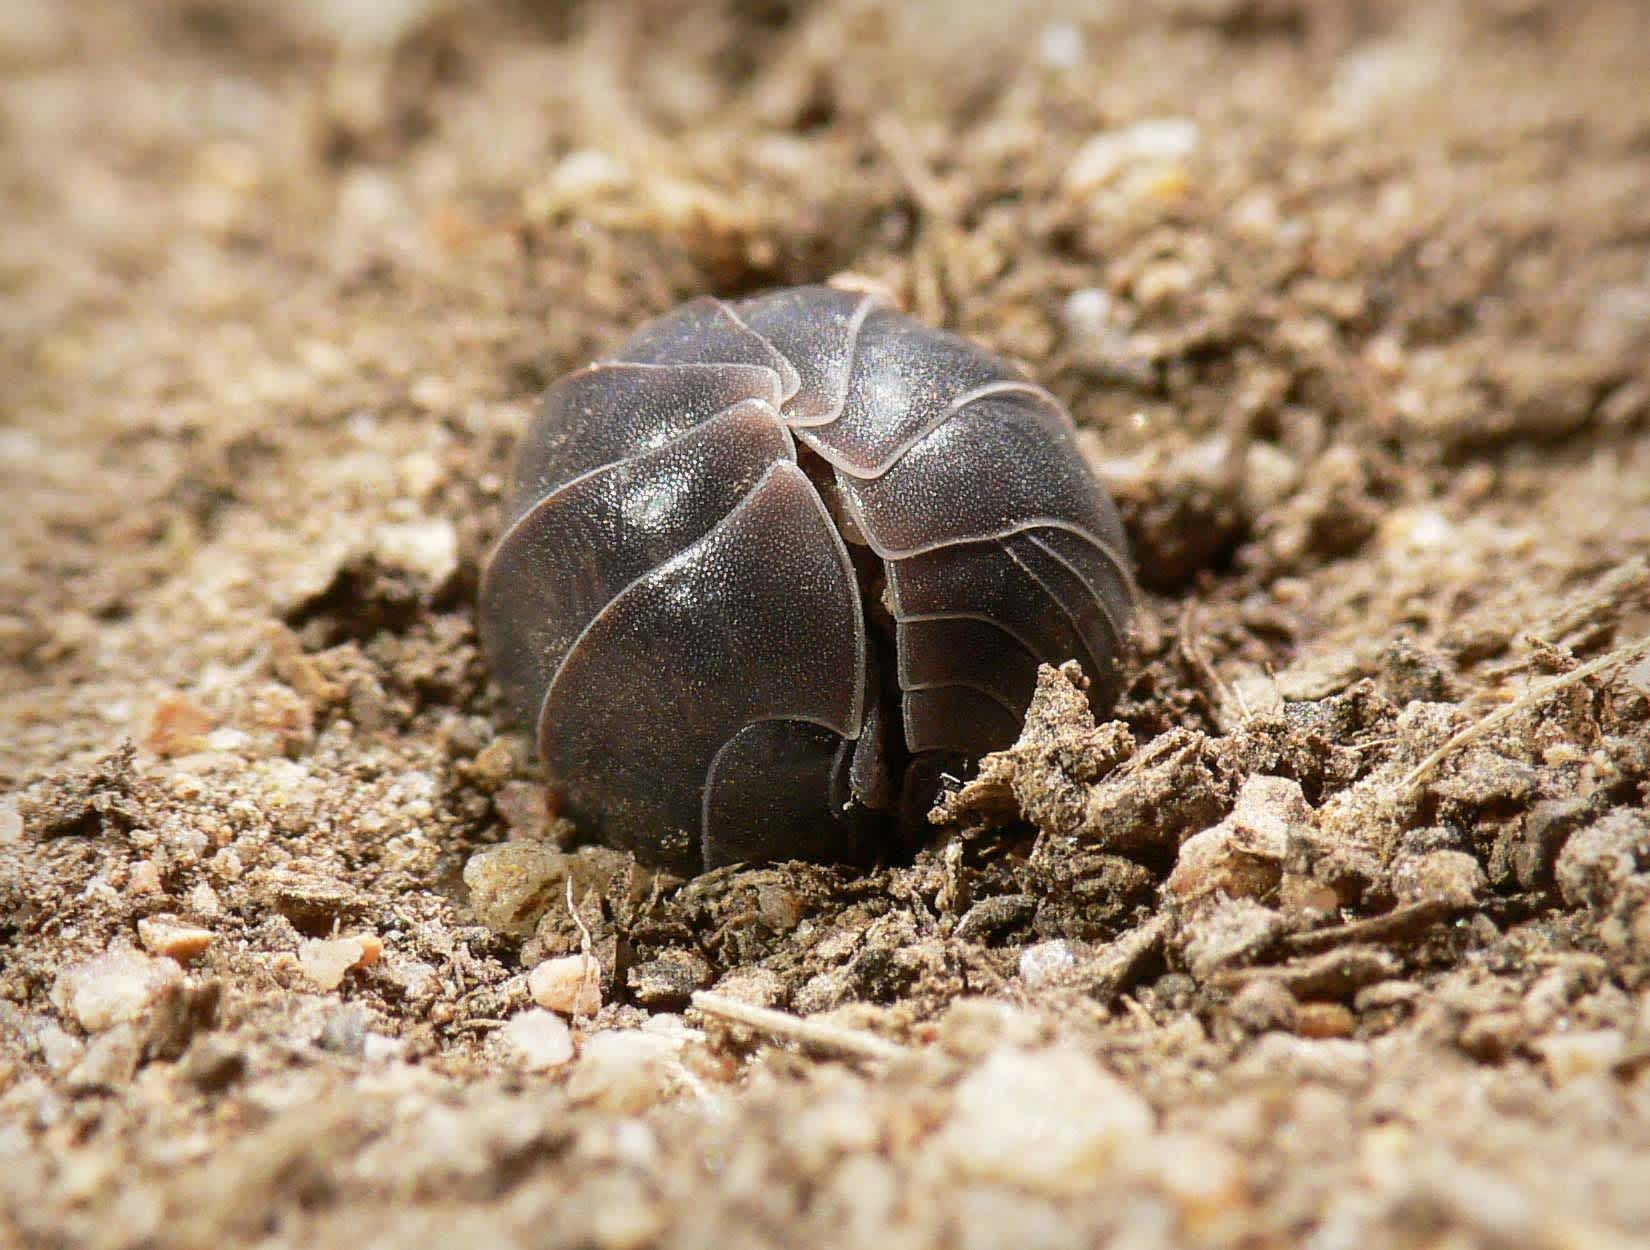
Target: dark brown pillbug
{"x": 780, "y": 562}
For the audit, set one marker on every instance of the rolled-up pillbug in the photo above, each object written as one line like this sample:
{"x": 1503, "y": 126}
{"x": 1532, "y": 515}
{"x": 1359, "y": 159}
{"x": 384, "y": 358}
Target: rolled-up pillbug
{"x": 781, "y": 561}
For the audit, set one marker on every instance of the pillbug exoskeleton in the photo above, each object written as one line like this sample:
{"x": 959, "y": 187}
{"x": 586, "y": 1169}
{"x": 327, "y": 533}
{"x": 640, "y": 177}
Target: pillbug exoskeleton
{"x": 778, "y": 562}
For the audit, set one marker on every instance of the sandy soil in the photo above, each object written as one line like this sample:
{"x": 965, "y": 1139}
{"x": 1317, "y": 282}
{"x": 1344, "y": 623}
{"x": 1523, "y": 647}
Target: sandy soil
{"x": 1353, "y": 303}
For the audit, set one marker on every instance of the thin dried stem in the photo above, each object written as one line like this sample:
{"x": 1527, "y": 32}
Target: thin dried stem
{"x": 1537, "y": 693}
{"x": 819, "y": 1034}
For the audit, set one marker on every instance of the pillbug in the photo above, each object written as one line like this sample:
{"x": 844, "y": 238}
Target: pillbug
{"x": 781, "y": 561}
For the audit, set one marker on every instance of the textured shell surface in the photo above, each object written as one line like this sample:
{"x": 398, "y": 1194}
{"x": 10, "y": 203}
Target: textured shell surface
{"x": 780, "y": 562}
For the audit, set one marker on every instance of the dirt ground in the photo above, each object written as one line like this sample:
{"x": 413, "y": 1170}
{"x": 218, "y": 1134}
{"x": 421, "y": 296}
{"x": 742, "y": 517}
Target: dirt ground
{"x": 1352, "y": 302}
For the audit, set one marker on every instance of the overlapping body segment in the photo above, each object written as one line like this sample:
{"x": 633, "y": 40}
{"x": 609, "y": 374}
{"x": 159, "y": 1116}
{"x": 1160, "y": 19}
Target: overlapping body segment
{"x": 775, "y": 554}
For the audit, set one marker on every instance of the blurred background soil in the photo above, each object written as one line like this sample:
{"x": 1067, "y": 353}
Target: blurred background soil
{"x": 1352, "y": 302}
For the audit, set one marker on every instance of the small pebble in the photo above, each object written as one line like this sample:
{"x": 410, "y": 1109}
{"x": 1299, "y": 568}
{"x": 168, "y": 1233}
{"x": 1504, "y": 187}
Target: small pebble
{"x": 1051, "y": 1121}
{"x": 325, "y": 960}
{"x": 59, "y": 1049}
{"x": 1572, "y": 1055}
{"x": 1154, "y": 142}
{"x": 173, "y": 940}
{"x": 1060, "y": 46}
{"x": 144, "y": 878}
{"x": 538, "y": 1039}
{"x": 114, "y": 988}
{"x": 1047, "y": 963}
{"x": 623, "y": 1071}
{"x": 1319, "y": 1020}
{"x": 571, "y": 985}
{"x": 177, "y": 726}
{"x": 1448, "y": 876}
{"x": 512, "y": 885}
{"x": 1263, "y": 1005}
{"x": 110, "y": 1060}
{"x": 1597, "y": 860}
{"x": 203, "y": 899}
{"x": 428, "y": 549}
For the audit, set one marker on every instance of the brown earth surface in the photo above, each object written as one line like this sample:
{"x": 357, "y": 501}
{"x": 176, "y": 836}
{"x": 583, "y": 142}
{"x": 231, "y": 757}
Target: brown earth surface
{"x": 1352, "y": 302}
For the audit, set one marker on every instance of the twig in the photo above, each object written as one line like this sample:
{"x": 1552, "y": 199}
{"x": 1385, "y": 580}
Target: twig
{"x": 807, "y": 1032}
{"x": 1409, "y": 921}
{"x": 591, "y": 978}
{"x": 1534, "y": 695}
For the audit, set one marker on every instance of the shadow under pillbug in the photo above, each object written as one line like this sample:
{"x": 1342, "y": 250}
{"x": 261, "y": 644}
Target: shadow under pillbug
{"x": 778, "y": 564}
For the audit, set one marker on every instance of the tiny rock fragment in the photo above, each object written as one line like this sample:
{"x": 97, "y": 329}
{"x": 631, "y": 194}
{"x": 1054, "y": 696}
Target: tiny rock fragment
{"x": 1051, "y": 1121}
{"x": 570, "y": 985}
{"x": 1264, "y": 1005}
{"x": 523, "y": 807}
{"x": 1597, "y": 860}
{"x": 1152, "y": 143}
{"x": 1324, "y": 1020}
{"x": 114, "y": 988}
{"x": 312, "y": 901}
{"x": 1242, "y": 856}
{"x": 110, "y": 1060}
{"x": 492, "y": 767}
{"x": 1452, "y": 877}
{"x": 428, "y": 549}
{"x": 1210, "y": 863}
{"x": 1047, "y": 963}
{"x": 60, "y": 1049}
{"x": 1119, "y": 964}
{"x": 144, "y": 878}
{"x": 973, "y": 1028}
{"x": 1325, "y": 871}
{"x": 1229, "y": 933}
{"x": 1201, "y": 1176}
{"x": 759, "y": 987}
{"x": 1270, "y": 475}
{"x": 669, "y": 980}
{"x": 1492, "y": 1035}
{"x": 1335, "y": 974}
{"x": 537, "y": 1039}
{"x": 204, "y": 900}
{"x": 325, "y": 960}
{"x": 173, "y": 940}
{"x": 992, "y": 916}
{"x": 1572, "y": 1055}
{"x": 1547, "y": 826}
{"x": 177, "y": 726}
{"x": 11, "y": 823}
{"x": 624, "y": 1071}
{"x": 512, "y": 885}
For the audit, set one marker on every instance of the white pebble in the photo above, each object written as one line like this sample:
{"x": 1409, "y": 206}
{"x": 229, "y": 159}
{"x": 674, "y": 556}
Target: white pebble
{"x": 325, "y": 960}
{"x": 1060, "y": 46}
{"x": 625, "y": 1071}
{"x": 538, "y": 1039}
{"x": 570, "y": 985}
{"x": 114, "y": 988}
{"x": 428, "y": 549}
{"x": 1046, "y": 963}
{"x": 1047, "y": 1120}
{"x": 1158, "y": 141}
{"x": 1572, "y": 1055}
